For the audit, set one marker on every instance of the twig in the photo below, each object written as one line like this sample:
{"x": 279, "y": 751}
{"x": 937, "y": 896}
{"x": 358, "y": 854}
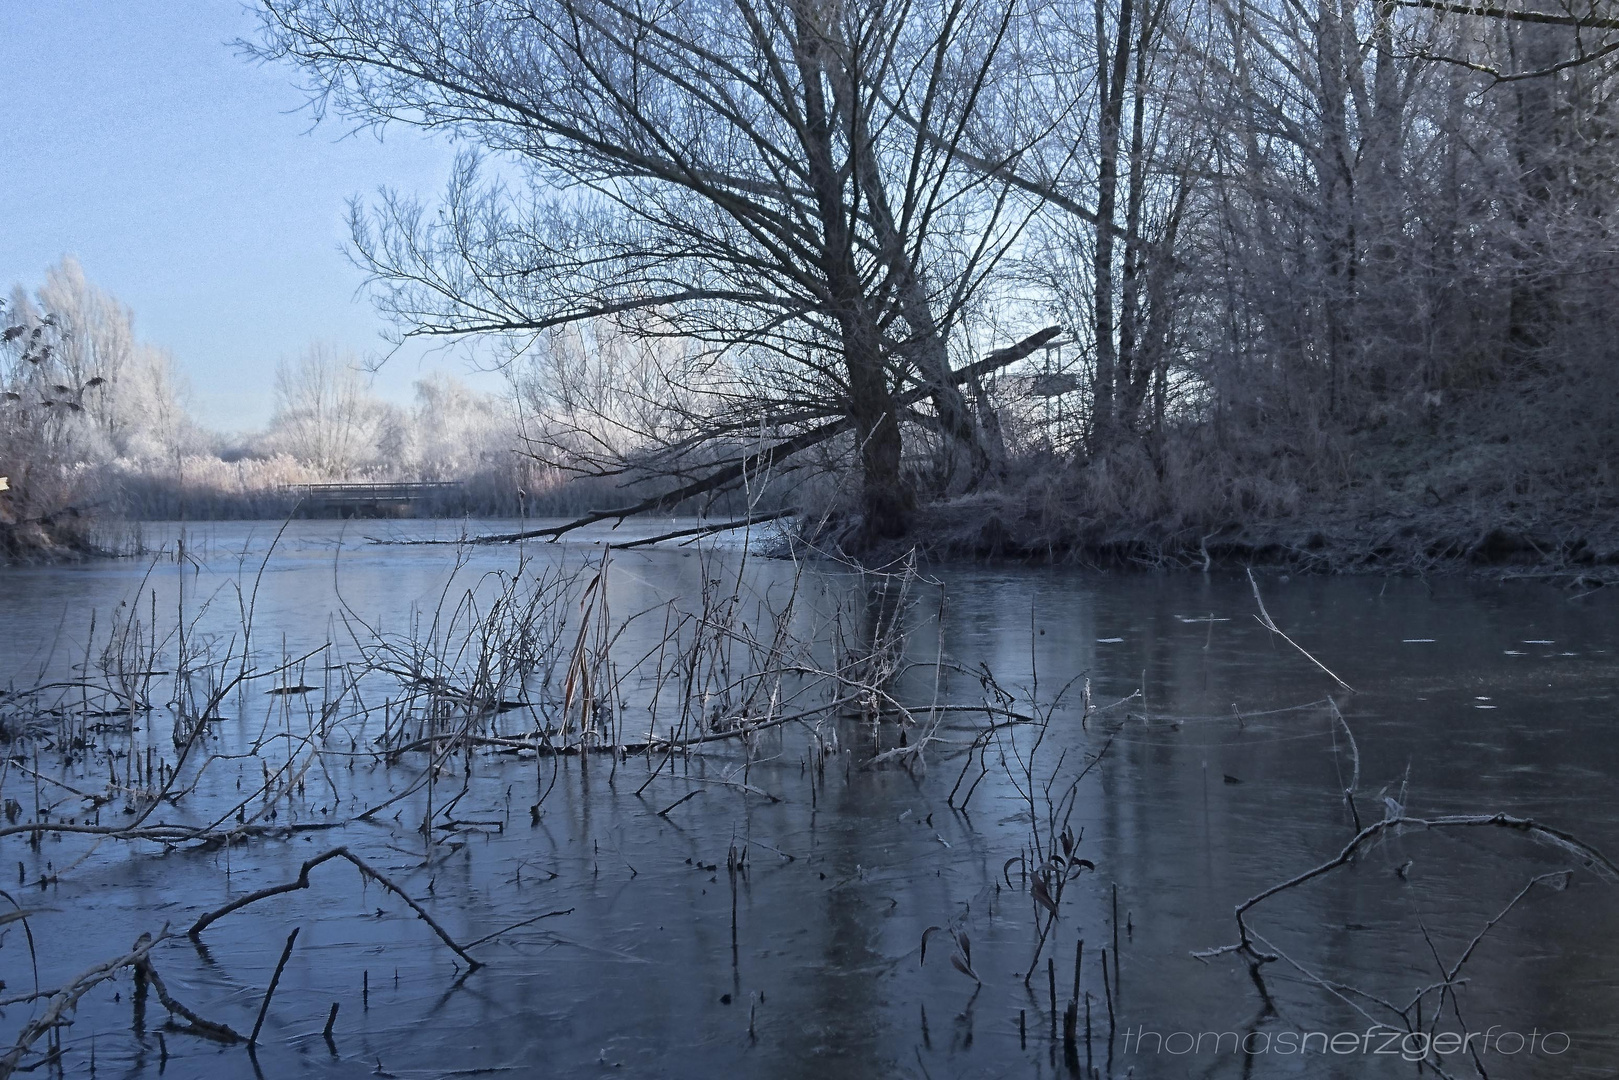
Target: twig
{"x": 517, "y": 926}
{"x": 1354, "y": 754}
{"x": 706, "y": 530}
{"x": 275, "y": 980}
{"x": 302, "y": 882}
{"x": 199, "y": 1026}
{"x": 1269, "y": 624}
{"x": 1594, "y": 859}
{"x": 689, "y": 795}
{"x": 67, "y": 998}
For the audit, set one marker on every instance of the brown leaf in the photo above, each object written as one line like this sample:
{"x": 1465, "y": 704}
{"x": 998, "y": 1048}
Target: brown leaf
{"x": 960, "y": 964}
{"x": 1008, "y": 866}
{"x": 1042, "y": 895}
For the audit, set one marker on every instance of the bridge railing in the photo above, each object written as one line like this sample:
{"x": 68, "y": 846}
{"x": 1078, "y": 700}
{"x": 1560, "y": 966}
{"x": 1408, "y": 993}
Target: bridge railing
{"x": 405, "y": 492}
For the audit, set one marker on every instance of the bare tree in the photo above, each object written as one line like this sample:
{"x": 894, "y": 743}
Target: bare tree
{"x": 324, "y": 415}
{"x": 152, "y": 396}
{"x": 1135, "y": 158}
{"x": 41, "y": 437}
{"x": 727, "y": 173}
{"x": 97, "y": 345}
{"x": 1401, "y": 223}
{"x": 130, "y": 394}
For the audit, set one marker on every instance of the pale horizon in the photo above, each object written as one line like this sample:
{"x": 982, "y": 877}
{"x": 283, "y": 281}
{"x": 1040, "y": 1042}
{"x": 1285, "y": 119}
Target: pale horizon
{"x": 193, "y": 184}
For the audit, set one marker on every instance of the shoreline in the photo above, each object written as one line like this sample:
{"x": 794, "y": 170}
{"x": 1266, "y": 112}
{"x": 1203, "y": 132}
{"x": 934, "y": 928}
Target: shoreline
{"x": 1503, "y": 544}
{"x": 993, "y": 528}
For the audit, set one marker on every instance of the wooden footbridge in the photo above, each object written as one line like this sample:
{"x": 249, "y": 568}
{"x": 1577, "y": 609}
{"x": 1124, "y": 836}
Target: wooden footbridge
{"x": 369, "y": 500}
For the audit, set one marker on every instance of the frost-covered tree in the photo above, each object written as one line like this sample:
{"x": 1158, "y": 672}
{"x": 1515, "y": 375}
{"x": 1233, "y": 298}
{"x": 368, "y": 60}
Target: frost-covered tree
{"x": 325, "y": 415}
{"x": 458, "y": 431}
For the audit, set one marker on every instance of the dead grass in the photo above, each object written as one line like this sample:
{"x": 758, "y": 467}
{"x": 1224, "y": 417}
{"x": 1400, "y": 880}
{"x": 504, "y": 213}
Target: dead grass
{"x": 1513, "y": 483}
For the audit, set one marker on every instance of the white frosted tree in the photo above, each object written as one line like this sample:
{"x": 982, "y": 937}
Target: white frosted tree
{"x": 456, "y": 430}
{"x": 98, "y": 342}
{"x": 152, "y": 404}
{"x": 129, "y": 395}
{"x": 325, "y": 415}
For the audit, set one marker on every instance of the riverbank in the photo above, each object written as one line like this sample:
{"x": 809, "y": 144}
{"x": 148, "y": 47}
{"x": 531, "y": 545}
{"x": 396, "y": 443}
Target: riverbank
{"x": 1494, "y": 491}
{"x": 58, "y": 536}
{"x": 1411, "y": 540}
{"x": 1557, "y": 543}
{"x": 1520, "y": 491}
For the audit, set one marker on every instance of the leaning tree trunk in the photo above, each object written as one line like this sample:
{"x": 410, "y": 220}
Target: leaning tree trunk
{"x": 871, "y": 409}
{"x": 959, "y": 433}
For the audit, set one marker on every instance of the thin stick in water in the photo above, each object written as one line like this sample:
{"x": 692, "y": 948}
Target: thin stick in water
{"x": 264, "y": 1006}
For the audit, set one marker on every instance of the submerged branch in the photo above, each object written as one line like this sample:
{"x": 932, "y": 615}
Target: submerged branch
{"x": 302, "y": 882}
{"x": 66, "y": 999}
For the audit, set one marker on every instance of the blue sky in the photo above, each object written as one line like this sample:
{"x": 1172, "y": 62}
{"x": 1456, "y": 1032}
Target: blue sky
{"x": 192, "y": 184}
